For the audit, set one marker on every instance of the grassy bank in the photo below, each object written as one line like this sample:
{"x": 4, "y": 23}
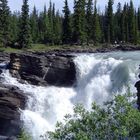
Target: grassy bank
{"x": 90, "y": 48}
{"x": 43, "y": 47}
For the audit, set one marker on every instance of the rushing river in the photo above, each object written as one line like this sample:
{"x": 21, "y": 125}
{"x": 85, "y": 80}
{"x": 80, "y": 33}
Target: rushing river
{"x": 99, "y": 76}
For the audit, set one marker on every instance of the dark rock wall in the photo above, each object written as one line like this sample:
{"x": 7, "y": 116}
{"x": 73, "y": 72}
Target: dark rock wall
{"x": 11, "y": 100}
{"x": 44, "y": 69}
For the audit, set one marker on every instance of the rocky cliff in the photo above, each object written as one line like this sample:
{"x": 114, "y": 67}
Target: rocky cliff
{"x": 43, "y": 69}
{"x": 11, "y": 101}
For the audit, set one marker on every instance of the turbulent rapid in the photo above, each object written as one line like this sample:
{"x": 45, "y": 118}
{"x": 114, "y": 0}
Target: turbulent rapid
{"x": 99, "y": 77}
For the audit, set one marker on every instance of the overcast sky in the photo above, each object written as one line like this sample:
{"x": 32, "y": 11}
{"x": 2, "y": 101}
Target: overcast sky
{"x": 16, "y": 4}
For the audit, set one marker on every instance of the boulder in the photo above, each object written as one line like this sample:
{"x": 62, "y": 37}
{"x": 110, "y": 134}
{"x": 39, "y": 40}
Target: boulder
{"x": 43, "y": 68}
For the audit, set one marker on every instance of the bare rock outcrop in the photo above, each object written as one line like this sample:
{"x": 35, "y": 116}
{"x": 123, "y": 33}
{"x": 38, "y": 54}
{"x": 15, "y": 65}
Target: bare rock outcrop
{"x": 11, "y": 101}
{"x": 43, "y": 69}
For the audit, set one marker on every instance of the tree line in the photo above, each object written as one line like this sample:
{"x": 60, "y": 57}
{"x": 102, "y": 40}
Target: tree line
{"x": 85, "y": 25}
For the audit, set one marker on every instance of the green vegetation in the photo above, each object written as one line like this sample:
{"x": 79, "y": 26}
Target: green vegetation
{"x": 24, "y": 136}
{"x": 66, "y": 31}
{"x": 117, "y": 119}
{"x": 109, "y": 22}
{"x": 96, "y": 26}
{"x": 4, "y": 23}
{"x": 86, "y": 25}
{"x": 24, "y": 28}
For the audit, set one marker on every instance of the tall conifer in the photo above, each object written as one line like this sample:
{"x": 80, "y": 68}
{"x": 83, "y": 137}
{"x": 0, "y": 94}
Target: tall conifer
{"x": 34, "y": 25}
{"x": 4, "y": 23}
{"x": 131, "y": 22}
{"x": 110, "y": 27}
{"x": 96, "y": 26}
{"x": 66, "y": 31}
{"x": 25, "y": 34}
{"x": 89, "y": 20}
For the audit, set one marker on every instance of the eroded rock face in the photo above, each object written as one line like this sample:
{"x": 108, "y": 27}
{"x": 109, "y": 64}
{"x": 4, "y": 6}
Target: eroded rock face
{"x": 11, "y": 100}
{"x": 43, "y": 69}
{"x": 4, "y": 57}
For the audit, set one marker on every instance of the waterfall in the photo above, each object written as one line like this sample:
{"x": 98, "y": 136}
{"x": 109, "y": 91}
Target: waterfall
{"x": 99, "y": 77}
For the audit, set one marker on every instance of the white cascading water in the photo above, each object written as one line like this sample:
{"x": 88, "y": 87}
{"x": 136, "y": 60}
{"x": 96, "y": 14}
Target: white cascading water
{"x": 99, "y": 76}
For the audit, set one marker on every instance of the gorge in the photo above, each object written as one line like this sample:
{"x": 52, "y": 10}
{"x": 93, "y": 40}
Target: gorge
{"x": 40, "y": 89}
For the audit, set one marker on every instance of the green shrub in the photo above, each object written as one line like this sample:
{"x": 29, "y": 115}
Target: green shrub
{"x": 117, "y": 120}
{"x": 24, "y": 136}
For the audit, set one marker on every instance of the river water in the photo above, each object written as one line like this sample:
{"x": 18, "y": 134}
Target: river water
{"x": 99, "y": 77}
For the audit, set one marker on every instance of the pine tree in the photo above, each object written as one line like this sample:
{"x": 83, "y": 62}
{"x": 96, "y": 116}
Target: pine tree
{"x": 50, "y": 27}
{"x": 126, "y": 24}
{"x": 136, "y": 29}
{"x": 89, "y": 20}
{"x": 138, "y": 14}
{"x": 110, "y": 27}
{"x": 34, "y": 25}
{"x": 66, "y": 31}
{"x": 75, "y": 24}
{"x": 4, "y": 23}
{"x": 25, "y": 35}
{"x": 118, "y": 23}
{"x": 79, "y": 22}
{"x": 42, "y": 25}
{"x": 58, "y": 29}
{"x": 14, "y": 27}
{"x": 131, "y": 21}
{"x": 54, "y": 24}
{"x": 139, "y": 18}
{"x": 82, "y": 21}
{"x": 96, "y": 26}
{"x": 123, "y": 17}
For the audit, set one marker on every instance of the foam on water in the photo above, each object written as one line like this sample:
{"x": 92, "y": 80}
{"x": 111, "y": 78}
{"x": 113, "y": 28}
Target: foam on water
{"x": 46, "y": 106}
{"x": 99, "y": 76}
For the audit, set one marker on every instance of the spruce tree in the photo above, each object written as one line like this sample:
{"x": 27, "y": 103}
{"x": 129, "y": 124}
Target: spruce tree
{"x": 43, "y": 25}
{"x": 136, "y": 29}
{"x": 96, "y": 26}
{"x": 118, "y": 21}
{"x": 131, "y": 21}
{"x": 66, "y": 31}
{"x": 25, "y": 34}
{"x": 75, "y": 23}
{"x": 14, "y": 27}
{"x": 110, "y": 27}
{"x": 58, "y": 29}
{"x": 139, "y": 18}
{"x": 89, "y": 20}
{"x": 138, "y": 14}
{"x": 40, "y": 27}
{"x": 123, "y": 17}
{"x": 82, "y": 21}
{"x": 50, "y": 27}
{"x": 4, "y": 23}
{"x": 79, "y": 22}
{"x": 34, "y": 25}
{"x": 54, "y": 24}
{"x": 126, "y": 23}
